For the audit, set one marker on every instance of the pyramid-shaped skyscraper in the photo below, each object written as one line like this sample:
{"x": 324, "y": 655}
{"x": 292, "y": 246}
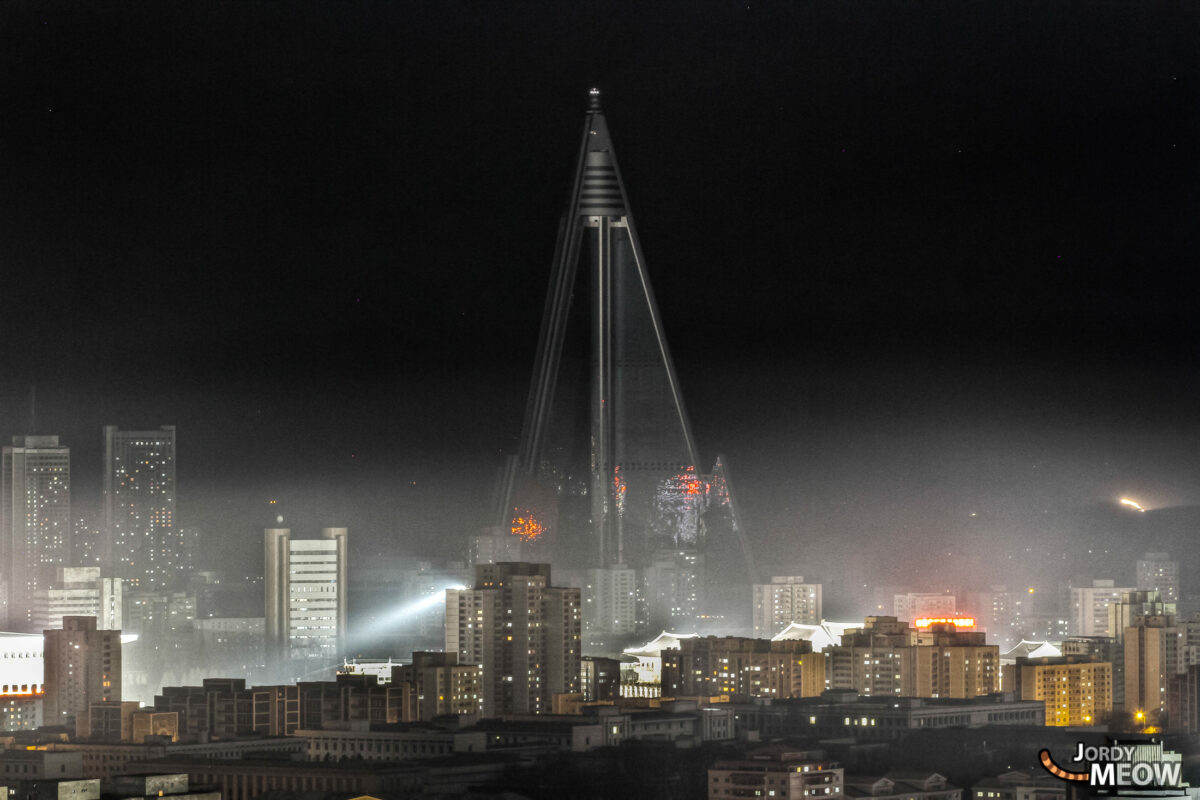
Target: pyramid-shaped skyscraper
{"x": 607, "y": 476}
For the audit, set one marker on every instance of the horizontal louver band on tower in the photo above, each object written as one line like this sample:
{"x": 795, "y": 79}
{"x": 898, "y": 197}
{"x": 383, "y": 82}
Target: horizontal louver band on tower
{"x": 600, "y": 194}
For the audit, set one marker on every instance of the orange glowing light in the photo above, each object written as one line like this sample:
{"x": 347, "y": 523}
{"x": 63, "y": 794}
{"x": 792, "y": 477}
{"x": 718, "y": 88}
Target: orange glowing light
{"x": 688, "y": 483}
{"x": 958, "y": 622}
{"x": 526, "y": 527}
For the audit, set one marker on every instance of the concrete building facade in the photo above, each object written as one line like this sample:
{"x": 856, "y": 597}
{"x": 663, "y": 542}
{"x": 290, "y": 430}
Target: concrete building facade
{"x": 83, "y": 666}
{"x": 789, "y": 775}
{"x": 953, "y": 663}
{"x": 786, "y": 599}
{"x": 734, "y": 666}
{"x": 1158, "y": 572}
{"x": 35, "y": 521}
{"x": 1089, "y": 607}
{"x": 912, "y": 606}
{"x": 1152, "y": 647}
{"x": 523, "y": 632}
{"x": 440, "y": 685}
{"x": 870, "y": 659}
{"x": 1077, "y": 690}
{"x": 305, "y": 588}
{"x": 147, "y": 549}
{"x": 79, "y": 592}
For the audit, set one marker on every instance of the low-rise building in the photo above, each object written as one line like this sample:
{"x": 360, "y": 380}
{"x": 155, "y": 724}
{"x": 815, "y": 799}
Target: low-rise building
{"x": 644, "y": 679}
{"x": 249, "y": 778}
{"x": 788, "y": 775}
{"x": 21, "y": 676}
{"x": 1077, "y": 690}
{"x": 29, "y": 765}
{"x": 400, "y": 742}
{"x": 177, "y": 787}
{"x": 732, "y": 665}
{"x": 105, "y": 759}
{"x": 901, "y": 786}
{"x": 225, "y": 708}
{"x": 438, "y": 685}
{"x": 1020, "y": 785}
{"x": 839, "y": 714}
{"x": 243, "y": 779}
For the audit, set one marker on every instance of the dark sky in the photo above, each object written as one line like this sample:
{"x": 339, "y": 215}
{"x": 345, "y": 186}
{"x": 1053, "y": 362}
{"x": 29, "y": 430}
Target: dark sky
{"x": 915, "y": 261}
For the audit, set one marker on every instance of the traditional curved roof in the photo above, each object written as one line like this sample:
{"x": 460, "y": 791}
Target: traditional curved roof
{"x": 821, "y": 636}
{"x": 664, "y": 641}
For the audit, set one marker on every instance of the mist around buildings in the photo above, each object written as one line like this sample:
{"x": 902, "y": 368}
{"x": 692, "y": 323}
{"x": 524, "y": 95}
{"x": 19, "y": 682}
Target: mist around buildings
{"x": 807, "y": 410}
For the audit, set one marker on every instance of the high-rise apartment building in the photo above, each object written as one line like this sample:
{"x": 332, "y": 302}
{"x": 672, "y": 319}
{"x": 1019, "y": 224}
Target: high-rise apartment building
{"x": 35, "y": 520}
{"x": 1089, "y": 607}
{"x": 523, "y": 632}
{"x": 786, "y": 599}
{"x": 609, "y": 603}
{"x": 495, "y": 545}
{"x": 305, "y": 593}
{"x": 146, "y": 546}
{"x": 1123, "y": 613}
{"x": 83, "y": 666}
{"x": 671, "y": 590}
{"x": 999, "y": 611}
{"x": 1108, "y": 649}
{"x": 953, "y": 663}
{"x": 79, "y": 592}
{"x": 870, "y": 659}
{"x": 1152, "y": 648}
{"x": 1156, "y": 572}
{"x": 886, "y": 657}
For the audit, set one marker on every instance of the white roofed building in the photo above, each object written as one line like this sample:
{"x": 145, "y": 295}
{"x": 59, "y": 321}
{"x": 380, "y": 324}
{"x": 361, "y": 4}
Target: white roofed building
{"x": 649, "y": 656}
{"x": 822, "y": 635}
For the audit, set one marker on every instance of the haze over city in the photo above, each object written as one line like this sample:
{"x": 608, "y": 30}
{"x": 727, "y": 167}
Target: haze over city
{"x": 927, "y": 279}
{"x": 598, "y": 399}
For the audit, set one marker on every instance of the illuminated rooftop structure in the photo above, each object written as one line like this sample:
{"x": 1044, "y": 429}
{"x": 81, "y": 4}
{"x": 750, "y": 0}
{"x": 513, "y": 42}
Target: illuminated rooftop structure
{"x": 607, "y": 472}
{"x": 1026, "y": 649}
{"x": 821, "y": 636}
{"x": 664, "y": 641}
{"x": 649, "y": 655}
{"x": 957, "y": 622}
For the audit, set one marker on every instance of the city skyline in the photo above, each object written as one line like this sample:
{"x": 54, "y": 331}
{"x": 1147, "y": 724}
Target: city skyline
{"x": 942, "y": 291}
{"x": 854, "y": 453}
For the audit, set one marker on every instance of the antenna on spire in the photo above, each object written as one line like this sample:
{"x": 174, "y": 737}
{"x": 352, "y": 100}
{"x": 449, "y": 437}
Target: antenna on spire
{"x": 594, "y": 100}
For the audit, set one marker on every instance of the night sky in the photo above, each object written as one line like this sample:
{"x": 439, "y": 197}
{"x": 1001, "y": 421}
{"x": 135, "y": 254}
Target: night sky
{"x": 915, "y": 261}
